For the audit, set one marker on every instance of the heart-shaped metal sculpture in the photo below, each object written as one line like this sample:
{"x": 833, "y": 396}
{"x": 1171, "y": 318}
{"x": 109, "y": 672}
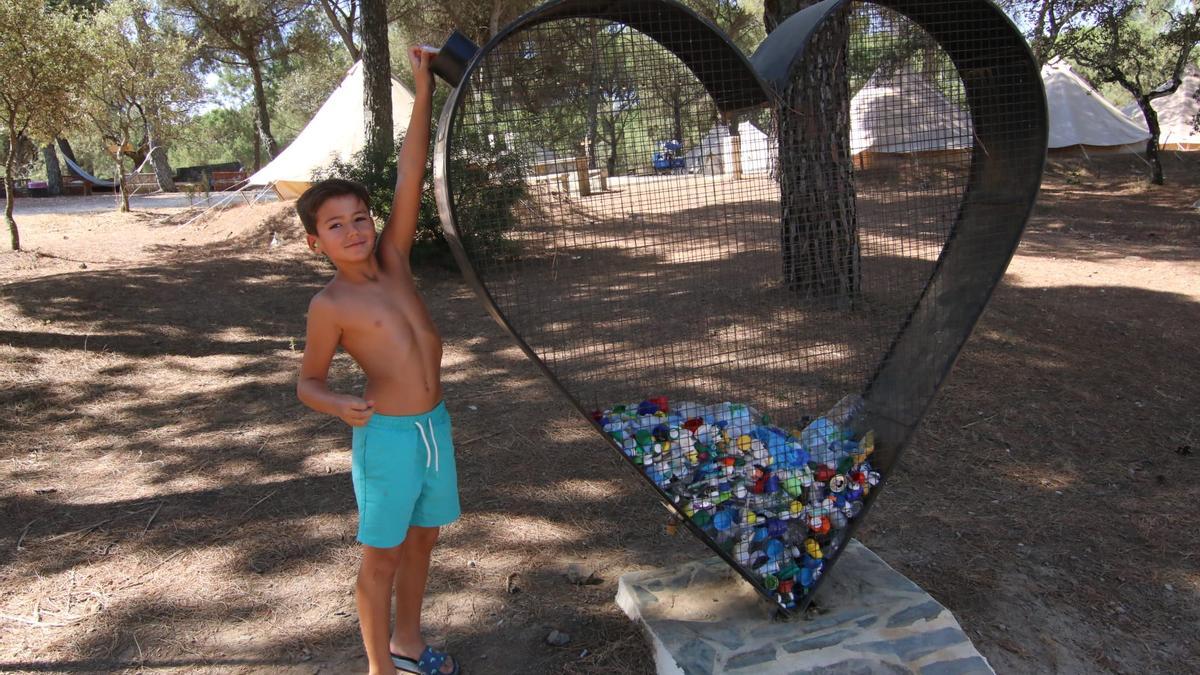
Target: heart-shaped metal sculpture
{"x": 705, "y": 251}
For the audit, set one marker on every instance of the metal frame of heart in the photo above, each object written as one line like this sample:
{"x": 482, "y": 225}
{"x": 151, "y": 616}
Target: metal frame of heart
{"x": 1007, "y": 108}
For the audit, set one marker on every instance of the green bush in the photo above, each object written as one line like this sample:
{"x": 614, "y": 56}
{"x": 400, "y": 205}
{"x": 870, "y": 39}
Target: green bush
{"x": 487, "y": 185}
{"x": 486, "y": 190}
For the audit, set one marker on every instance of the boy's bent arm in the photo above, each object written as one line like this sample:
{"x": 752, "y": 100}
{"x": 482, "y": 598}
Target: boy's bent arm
{"x": 320, "y": 344}
{"x": 401, "y": 227}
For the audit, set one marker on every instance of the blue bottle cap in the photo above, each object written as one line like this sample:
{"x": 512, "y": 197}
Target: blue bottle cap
{"x": 723, "y": 520}
{"x": 776, "y": 527}
{"x": 772, "y": 484}
{"x": 647, "y": 408}
{"x": 775, "y": 548}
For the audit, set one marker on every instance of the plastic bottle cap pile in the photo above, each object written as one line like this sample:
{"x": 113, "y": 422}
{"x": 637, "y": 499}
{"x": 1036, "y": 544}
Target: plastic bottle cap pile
{"x": 775, "y": 501}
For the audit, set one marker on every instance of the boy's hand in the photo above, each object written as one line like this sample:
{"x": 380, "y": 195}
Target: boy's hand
{"x": 420, "y": 57}
{"x": 355, "y": 411}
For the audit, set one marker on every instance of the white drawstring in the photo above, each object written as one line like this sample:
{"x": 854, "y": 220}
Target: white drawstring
{"x": 435, "y": 456}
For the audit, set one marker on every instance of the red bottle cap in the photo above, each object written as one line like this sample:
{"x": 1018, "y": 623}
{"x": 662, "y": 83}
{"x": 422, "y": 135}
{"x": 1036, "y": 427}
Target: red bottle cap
{"x": 760, "y": 485}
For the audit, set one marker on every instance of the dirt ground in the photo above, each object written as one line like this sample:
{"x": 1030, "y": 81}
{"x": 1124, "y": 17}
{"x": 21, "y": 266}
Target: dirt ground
{"x": 169, "y": 506}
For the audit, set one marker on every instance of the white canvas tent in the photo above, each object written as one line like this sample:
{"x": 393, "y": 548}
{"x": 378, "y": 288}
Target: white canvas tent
{"x": 903, "y": 113}
{"x": 335, "y": 132}
{"x": 1081, "y": 118}
{"x": 714, "y": 154}
{"x": 1175, "y": 114}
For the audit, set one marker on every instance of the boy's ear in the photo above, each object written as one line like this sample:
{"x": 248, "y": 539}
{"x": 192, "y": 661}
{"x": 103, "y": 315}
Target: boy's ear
{"x": 313, "y": 243}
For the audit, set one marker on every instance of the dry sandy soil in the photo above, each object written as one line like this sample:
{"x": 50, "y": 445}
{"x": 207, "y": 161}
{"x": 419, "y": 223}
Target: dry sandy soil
{"x": 169, "y": 506}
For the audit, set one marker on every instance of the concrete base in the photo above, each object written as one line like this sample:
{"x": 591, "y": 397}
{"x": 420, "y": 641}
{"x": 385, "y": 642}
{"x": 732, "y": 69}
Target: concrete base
{"x": 702, "y": 618}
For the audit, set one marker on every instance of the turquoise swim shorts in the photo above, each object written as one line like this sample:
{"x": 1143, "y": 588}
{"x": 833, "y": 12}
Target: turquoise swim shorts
{"x": 403, "y": 473}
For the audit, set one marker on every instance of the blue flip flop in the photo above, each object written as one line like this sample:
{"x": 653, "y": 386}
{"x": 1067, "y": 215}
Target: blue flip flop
{"x": 430, "y": 663}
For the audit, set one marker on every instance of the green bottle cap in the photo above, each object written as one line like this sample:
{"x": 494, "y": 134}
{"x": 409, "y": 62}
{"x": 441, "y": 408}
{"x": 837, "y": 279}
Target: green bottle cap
{"x": 788, "y": 571}
{"x": 845, "y": 465}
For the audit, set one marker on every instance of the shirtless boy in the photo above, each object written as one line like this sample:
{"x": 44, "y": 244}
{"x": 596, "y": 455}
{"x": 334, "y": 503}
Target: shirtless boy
{"x": 403, "y": 457}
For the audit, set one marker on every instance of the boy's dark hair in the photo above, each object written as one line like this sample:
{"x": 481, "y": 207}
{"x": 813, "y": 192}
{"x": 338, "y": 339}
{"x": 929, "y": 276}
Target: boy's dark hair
{"x": 322, "y": 191}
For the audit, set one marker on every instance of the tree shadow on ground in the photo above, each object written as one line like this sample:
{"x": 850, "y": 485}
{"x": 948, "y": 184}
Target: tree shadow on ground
{"x": 223, "y": 504}
{"x": 1133, "y": 218}
{"x": 1048, "y": 468}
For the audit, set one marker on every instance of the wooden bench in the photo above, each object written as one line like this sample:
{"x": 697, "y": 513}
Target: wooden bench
{"x": 74, "y": 185}
{"x": 225, "y": 180}
{"x": 20, "y": 187}
{"x": 138, "y": 183}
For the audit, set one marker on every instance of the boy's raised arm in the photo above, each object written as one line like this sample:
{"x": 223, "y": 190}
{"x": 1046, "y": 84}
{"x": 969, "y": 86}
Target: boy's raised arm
{"x": 401, "y": 227}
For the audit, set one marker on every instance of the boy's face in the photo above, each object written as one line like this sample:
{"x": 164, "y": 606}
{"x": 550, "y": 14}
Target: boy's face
{"x": 345, "y": 230}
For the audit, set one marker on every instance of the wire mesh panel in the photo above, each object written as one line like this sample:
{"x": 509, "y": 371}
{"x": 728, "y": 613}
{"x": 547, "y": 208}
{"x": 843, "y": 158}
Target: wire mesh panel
{"x": 738, "y": 271}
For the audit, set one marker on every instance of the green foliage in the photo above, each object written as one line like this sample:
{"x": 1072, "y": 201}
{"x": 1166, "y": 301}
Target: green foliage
{"x": 24, "y": 159}
{"x": 216, "y": 136}
{"x": 38, "y": 87}
{"x": 257, "y": 36}
{"x": 144, "y": 83}
{"x": 38, "y": 90}
{"x": 300, "y": 92}
{"x": 1044, "y": 22}
{"x": 1142, "y": 46}
{"x": 741, "y": 20}
{"x": 488, "y": 187}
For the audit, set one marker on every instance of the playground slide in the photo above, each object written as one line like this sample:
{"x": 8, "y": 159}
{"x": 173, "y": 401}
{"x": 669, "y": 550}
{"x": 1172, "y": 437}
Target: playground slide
{"x": 78, "y": 171}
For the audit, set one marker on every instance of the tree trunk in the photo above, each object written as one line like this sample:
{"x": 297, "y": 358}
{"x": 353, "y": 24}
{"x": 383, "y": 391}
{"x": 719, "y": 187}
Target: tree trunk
{"x": 161, "y": 164}
{"x": 377, "y": 82}
{"x": 65, "y": 147}
{"x": 592, "y": 134}
{"x": 613, "y": 138}
{"x": 122, "y": 193}
{"x": 344, "y": 30}
{"x": 10, "y": 162}
{"x": 494, "y": 19}
{"x": 260, "y": 105}
{"x": 1156, "y": 170}
{"x": 593, "y": 131}
{"x": 677, "y": 119}
{"x": 819, "y": 232}
{"x": 1038, "y": 44}
{"x": 53, "y": 170}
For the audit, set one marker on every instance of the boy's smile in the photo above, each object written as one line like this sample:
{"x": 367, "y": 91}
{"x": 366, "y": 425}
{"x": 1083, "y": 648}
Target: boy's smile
{"x": 345, "y": 230}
